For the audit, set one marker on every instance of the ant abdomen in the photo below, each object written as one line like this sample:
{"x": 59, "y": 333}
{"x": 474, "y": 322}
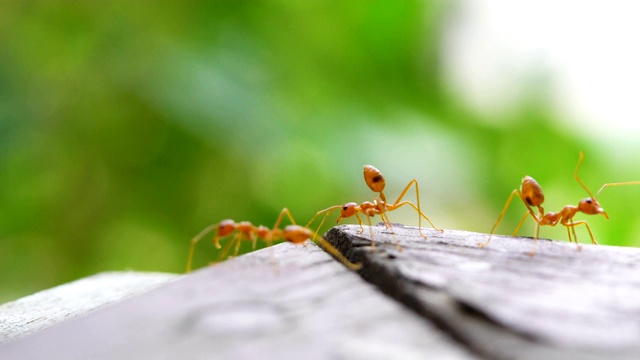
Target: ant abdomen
{"x": 532, "y": 192}
{"x": 374, "y": 179}
{"x": 296, "y": 234}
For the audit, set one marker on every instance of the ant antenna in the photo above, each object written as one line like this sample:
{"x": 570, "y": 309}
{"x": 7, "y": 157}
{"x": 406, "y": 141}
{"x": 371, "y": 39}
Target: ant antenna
{"x": 616, "y": 184}
{"x": 603, "y": 186}
{"x": 575, "y": 174}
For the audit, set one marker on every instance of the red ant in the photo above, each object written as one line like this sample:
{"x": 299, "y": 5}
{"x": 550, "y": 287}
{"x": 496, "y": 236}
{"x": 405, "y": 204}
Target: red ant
{"x": 531, "y": 195}
{"x": 374, "y": 179}
{"x": 293, "y": 233}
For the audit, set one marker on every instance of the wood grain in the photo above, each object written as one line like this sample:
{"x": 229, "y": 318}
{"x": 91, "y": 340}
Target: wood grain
{"x": 61, "y": 303}
{"x": 562, "y": 303}
{"x": 284, "y": 302}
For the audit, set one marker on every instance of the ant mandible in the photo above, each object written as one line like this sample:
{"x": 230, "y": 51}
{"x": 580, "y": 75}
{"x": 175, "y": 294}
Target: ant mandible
{"x": 376, "y": 182}
{"x": 532, "y": 196}
{"x": 293, "y": 233}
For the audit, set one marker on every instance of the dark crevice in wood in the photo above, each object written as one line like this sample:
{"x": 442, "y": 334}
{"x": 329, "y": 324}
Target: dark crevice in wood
{"x": 388, "y": 281}
{"x": 465, "y": 322}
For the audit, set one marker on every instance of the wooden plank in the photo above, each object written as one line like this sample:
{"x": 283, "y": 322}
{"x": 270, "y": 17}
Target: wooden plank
{"x": 561, "y": 303}
{"x": 284, "y": 302}
{"x": 49, "y": 307}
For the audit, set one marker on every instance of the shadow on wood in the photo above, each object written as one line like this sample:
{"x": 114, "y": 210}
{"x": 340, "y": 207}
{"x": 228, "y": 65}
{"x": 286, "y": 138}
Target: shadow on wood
{"x": 502, "y": 303}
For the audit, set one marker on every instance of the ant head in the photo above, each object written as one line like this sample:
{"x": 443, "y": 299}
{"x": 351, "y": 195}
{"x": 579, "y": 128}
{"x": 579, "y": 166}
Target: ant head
{"x": 590, "y": 206}
{"x": 348, "y": 210}
{"x": 296, "y": 234}
{"x": 226, "y": 227}
{"x": 374, "y": 179}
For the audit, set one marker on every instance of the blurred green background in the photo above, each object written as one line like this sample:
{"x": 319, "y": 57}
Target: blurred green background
{"x": 127, "y": 127}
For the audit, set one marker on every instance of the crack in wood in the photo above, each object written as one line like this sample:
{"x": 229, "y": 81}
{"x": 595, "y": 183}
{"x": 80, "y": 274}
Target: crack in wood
{"x": 503, "y": 304}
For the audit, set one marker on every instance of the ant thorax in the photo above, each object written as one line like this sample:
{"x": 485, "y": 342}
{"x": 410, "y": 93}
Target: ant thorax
{"x": 551, "y": 218}
{"x": 370, "y": 209}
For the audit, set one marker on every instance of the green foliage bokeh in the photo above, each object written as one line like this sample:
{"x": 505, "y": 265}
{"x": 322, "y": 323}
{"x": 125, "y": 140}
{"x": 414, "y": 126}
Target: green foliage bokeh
{"x": 127, "y": 127}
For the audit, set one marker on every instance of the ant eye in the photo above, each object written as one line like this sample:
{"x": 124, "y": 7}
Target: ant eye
{"x": 588, "y": 201}
{"x": 345, "y": 207}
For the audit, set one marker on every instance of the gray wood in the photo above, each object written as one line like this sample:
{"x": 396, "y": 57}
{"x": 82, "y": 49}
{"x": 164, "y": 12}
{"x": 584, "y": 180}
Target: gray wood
{"x": 52, "y": 306}
{"x": 284, "y": 302}
{"x": 562, "y": 303}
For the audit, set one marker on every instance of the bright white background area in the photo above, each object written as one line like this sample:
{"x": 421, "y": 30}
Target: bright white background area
{"x": 584, "y": 55}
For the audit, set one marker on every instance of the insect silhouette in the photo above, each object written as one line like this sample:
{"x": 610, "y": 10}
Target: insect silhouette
{"x": 531, "y": 195}
{"x": 244, "y": 230}
{"x": 376, "y": 182}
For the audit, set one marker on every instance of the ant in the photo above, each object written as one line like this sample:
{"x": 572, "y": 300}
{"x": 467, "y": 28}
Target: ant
{"x": 293, "y": 233}
{"x": 532, "y": 196}
{"x": 376, "y": 182}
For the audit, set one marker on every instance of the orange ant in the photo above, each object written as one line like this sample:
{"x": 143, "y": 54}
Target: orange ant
{"x": 374, "y": 179}
{"x": 293, "y": 233}
{"x": 531, "y": 195}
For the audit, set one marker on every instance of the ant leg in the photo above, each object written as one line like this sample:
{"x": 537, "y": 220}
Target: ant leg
{"x": 520, "y": 224}
{"x": 573, "y": 230}
{"x": 535, "y": 238}
{"x": 386, "y": 220}
{"x": 254, "y": 242}
{"x": 504, "y": 210}
{"x": 382, "y": 206}
{"x": 227, "y": 247}
{"x": 569, "y": 224}
{"x": 418, "y": 209}
{"x": 535, "y": 245}
{"x": 281, "y": 216}
{"x": 593, "y": 240}
{"x": 194, "y": 242}
{"x": 420, "y": 214}
{"x": 362, "y": 227}
{"x": 328, "y": 212}
{"x": 582, "y": 222}
{"x": 537, "y": 227}
{"x": 275, "y": 226}
{"x": 373, "y": 244}
{"x": 315, "y": 234}
{"x": 572, "y": 226}
{"x": 569, "y": 234}
{"x": 338, "y": 255}
{"x": 239, "y": 242}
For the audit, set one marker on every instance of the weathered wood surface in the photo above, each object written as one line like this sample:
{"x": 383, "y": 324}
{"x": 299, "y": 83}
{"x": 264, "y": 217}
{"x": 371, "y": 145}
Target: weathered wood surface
{"x": 49, "y": 307}
{"x": 285, "y": 302}
{"x": 503, "y": 303}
